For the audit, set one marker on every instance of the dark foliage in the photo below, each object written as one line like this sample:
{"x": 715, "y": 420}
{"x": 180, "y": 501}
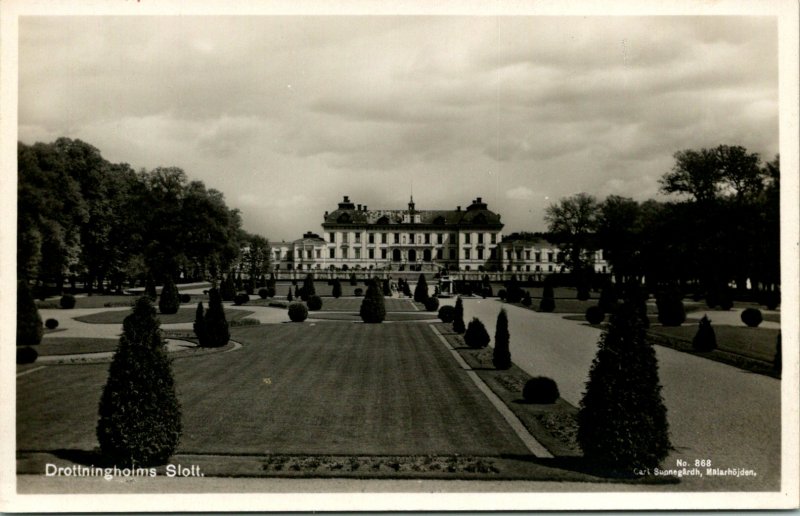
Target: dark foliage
{"x": 314, "y": 303}
{"x": 752, "y": 317}
{"x": 227, "y": 289}
{"x": 263, "y": 293}
{"x": 458, "y": 316}
{"x": 387, "y": 287}
{"x": 271, "y": 292}
{"x": 51, "y": 324}
{"x": 308, "y": 288}
{"x": 583, "y": 292}
{"x": 298, "y": 312}
{"x": 373, "y": 309}
{"x": 358, "y": 292}
{"x": 216, "y": 323}
{"x": 421, "y": 290}
{"x": 595, "y": 315}
{"x": 771, "y": 299}
{"x": 26, "y": 355}
{"x": 476, "y": 335}
{"x": 431, "y": 304}
{"x": 526, "y": 299}
{"x": 622, "y": 422}
{"x": 501, "y": 356}
{"x": 548, "y": 302}
{"x": 29, "y": 323}
{"x": 670, "y": 309}
{"x": 139, "y": 414}
{"x": 150, "y": 288}
{"x": 353, "y": 279}
{"x": 502, "y": 294}
{"x": 169, "y": 302}
{"x": 540, "y": 390}
{"x": 240, "y": 299}
{"x": 337, "y": 288}
{"x": 200, "y": 329}
{"x": 447, "y": 313}
{"x": 185, "y": 298}
{"x": 487, "y": 291}
{"x": 608, "y": 298}
{"x": 289, "y": 296}
{"x": 705, "y": 339}
{"x": 67, "y": 301}
{"x": 513, "y": 291}
{"x": 777, "y": 363}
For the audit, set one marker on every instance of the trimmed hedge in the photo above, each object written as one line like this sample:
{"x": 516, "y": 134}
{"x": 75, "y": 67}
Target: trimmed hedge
{"x": 502, "y": 294}
{"x": 51, "y": 324}
{"x": 314, "y": 303}
{"x": 595, "y": 315}
{"x": 263, "y": 293}
{"x": 67, "y": 301}
{"x": 240, "y": 299}
{"x": 431, "y": 304}
{"x": 501, "y": 356}
{"x": 185, "y": 298}
{"x": 358, "y": 292}
{"x": 541, "y": 390}
{"x": 752, "y": 317}
{"x": 705, "y": 339}
{"x": 447, "y": 313}
{"x": 26, "y": 355}
{"x": 298, "y": 312}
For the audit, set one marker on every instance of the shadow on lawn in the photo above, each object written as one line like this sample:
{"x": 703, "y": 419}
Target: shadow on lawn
{"x": 83, "y": 457}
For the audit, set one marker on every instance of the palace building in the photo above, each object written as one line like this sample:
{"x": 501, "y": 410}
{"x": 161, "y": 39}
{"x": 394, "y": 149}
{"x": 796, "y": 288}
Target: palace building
{"x": 357, "y": 238}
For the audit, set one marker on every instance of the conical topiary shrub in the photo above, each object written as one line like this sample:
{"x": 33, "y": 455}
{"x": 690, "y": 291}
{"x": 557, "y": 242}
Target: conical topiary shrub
{"x": 501, "y": 357}
{"x": 308, "y": 288}
{"x": 476, "y": 335}
{"x": 150, "y": 288}
{"x": 705, "y": 339}
{"x": 200, "y": 329}
{"x": 216, "y": 324}
{"x": 458, "y": 317}
{"x": 387, "y": 287}
{"x": 548, "y": 302}
{"x": 29, "y": 323}
{"x": 169, "y": 302}
{"x": 373, "y": 309}
{"x": 289, "y": 296}
{"x": 421, "y": 290}
{"x": 139, "y": 421}
{"x": 622, "y": 422}
{"x": 227, "y": 289}
{"x": 337, "y": 288}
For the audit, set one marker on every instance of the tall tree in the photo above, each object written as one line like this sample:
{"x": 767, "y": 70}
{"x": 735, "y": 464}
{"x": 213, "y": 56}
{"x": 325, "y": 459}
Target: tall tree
{"x": 572, "y": 223}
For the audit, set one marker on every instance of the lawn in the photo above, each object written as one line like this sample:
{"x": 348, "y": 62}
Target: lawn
{"x": 73, "y": 345}
{"x": 184, "y": 315}
{"x": 293, "y": 389}
{"x": 755, "y": 343}
{"x": 390, "y": 316}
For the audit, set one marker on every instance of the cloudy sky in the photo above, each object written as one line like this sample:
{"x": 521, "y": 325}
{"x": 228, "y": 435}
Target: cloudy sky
{"x": 286, "y": 114}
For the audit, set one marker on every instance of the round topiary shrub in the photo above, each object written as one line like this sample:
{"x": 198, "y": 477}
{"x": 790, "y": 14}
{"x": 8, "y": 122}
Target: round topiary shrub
{"x": 771, "y": 299}
{"x": 314, "y": 303}
{"x": 726, "y": 303}
{"x": 270, "y": 291}
{"x": 547, "y": 304}
{"x": 752, "y": 317}
{"x": 185, "y": 298}
{"x": 446, "y": 313}
{"x": 67, "y": 301}
{"x": 298, "y": 312}
{"x": 263, "y": 293}
{"x": 358, "y": 292}
{"x": 431, "y": 304}
{"x": 240, "y": 299}
{"x": 502, "y": 294}
{"x": 595, "y": 315}
{"x": 51, "y": 324}
{"x": 541, "y": 390}
{"x": 169, "y": 302}
{"x": 26, "y": 355}
{"x": 476, "y": 335}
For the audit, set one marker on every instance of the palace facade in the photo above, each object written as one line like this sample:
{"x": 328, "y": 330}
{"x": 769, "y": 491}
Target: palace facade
{"x": 357, "y": 238}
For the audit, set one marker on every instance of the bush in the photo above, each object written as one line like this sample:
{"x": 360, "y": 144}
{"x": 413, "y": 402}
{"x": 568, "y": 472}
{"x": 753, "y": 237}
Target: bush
{"x": 670, "y": 310}
{"x": 752, "y": 317}
{"x": 26, "y": 355}
{"x": 240, "y": 299}
{"x": 502, "y": 294}
{"x": 608, "y": 298}
{"x": 150, "y": 288}
{"x": 777, "y": 362}
{"x": 705, "y": 339}
{"x": 29, "y": 323}
{"x": 216, "y": 323}
{"x": 540, "y": 390}
{"x": 185, "y": 298}
{"x": 314, "y": 303}
{"x": 373, "y": 309}
{"x": 458, "y": 316}
{"x": 526, "y": 299}
{"x": 169, "y": 301}
{"x": 248, "y": 288}
{"x": 431, "y": 304}
{"x": 447, "y": 313}
{"x": 387, "y": 287}
{"x": 227, "y": 289}
{"x": 421, "y": 290}
{"x": 476, "y": 335}
{"x": 353, "y": 280}
{"x": 200, "y": 329}
{"x": 139, "y": 414}
{"x": 271, "y": 292}
{"x": 501, "y": 356}
{"x": 358, "y": 292}
{"x": 289, "y": 296}
{"x": 594, "y": 315}
{"x": 771, "y": 299}
{"x": 583, "y": 293}
{"x": 67, "y": 301}
{"x": 622, "y": 421}
{"x": 337, "y": 288}
{"x": 263, "y": 293}
{"x": 308, "y": 288}
{"x": 298, "y": 312}
{"x": 487, "y": 291}
{"x": 547, "y": 304}
{"x": 51, "y": 324}
{"x": 245, "y": 321}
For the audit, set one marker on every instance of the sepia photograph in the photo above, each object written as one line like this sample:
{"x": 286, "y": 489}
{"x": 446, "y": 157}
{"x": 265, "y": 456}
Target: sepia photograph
{"x": 399, "y": 256}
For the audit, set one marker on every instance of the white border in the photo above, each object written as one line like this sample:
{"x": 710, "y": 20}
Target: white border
{"x": 785, "y": 10}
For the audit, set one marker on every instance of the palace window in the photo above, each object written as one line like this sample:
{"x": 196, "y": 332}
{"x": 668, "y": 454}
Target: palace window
{"x": 480, "y": 254}
{"x": 550, "y": 259}
{"x": 344, "y": 253}
{"x": 358, "y": 238}
{"x": 494, "y": 238}
{"x": 332, "y": 253}
{"x": 397, "y": 238}
{"x": 319, "y": 254}
{"x": 345, "y": 237}
{"x": 508, "y": 255}
{"x": 452, "y": 254}
{"x": 466, "y": 254}
{"x": 466, "y": 238}
{"x": 358, "y": 253}
{"x": 480, "y": 238}
{"x": 372, "y": 254}
{"x": 440, "y": 254}
{"x": 372, "y": 238}
{"x": 333, "y": 237}
{"x": 383, "y": 238}
{"x": 527, "y": 255}
{"x": 439, "y": 238}
{"x": 519, "y": 255}
{"x": 383, "y": 253}
{"x": 538, "y": 256}
{"x": 427, "y": 238}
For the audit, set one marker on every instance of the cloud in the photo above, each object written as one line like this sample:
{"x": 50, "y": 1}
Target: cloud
{"x": 520, "y": 193}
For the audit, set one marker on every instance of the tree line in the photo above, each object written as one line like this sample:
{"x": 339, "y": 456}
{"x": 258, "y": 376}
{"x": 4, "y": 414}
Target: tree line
{"x": 722, "y": 228}
{"x": 83, "y": 219}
